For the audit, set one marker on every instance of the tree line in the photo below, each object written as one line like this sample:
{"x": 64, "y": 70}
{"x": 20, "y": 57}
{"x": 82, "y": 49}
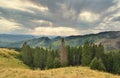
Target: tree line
{"x": 89, "y": 54}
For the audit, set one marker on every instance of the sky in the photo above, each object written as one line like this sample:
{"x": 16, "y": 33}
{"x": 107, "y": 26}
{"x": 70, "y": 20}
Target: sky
{"x": 59, "y": 17}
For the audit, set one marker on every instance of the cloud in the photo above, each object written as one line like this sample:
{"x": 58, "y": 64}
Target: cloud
{"x": 7, "y": 26}
{"x": 116, "y": 19}
{"x": 86, "y": 17}
{"x": 23, "y": 18}
{"x": 62, "y": 31}
{"x": 37, "y": 16}
{"x": 42, "y": 22}
{"x": 21, "y": 5}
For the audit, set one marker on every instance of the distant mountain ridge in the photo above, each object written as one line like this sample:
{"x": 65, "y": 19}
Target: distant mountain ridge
{"x": 13, "y": 37}
{"x": 110, "y": 39}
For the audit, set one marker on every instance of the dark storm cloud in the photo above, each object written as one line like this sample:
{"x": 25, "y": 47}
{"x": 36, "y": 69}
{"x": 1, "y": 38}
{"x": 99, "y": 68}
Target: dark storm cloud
{"x": 78, "y": 6}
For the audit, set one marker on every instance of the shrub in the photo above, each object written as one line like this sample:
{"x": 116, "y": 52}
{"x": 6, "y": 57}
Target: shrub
{"x": 97, "y": 64}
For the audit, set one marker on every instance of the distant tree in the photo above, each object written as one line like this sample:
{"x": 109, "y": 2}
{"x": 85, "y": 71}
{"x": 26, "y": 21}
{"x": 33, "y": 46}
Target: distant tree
{"x": 63, "y": 53}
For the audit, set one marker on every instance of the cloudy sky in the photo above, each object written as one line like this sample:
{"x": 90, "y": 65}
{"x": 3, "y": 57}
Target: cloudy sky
{"x": 59, "y": 17}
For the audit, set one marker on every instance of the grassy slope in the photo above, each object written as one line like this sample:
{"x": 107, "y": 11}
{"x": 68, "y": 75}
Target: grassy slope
{"x": 9, "y": 58}
{"x": 11, "y": 67}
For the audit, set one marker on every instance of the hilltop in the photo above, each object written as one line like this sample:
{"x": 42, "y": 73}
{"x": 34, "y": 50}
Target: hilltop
{"x": 12, "y": 67}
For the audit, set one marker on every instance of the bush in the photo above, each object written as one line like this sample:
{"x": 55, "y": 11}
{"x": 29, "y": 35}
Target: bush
{"x": 97, "y": 64}
{"x": 56, "y": 63}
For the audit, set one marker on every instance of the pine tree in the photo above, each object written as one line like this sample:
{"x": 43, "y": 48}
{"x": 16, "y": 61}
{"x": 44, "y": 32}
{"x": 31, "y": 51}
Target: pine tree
{"x": 63, "y": 53}
{"x": 27, "y": 54}
{"x": 79, "y": 55}
{"x": 70, "y": 55}
{"x": 50, "y": 60}
{"x": 94, "y": 49}
{"x": 39, "y": 58}
{"x": 36, "y": 57}
{"x": 99, "y": 51}
{"x": 87, "y": 53}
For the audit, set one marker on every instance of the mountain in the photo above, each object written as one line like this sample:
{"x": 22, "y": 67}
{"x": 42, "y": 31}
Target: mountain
{"x": 110, "y": 40}
{"x": 14, "y": 38}
{"x": 6, "y": 39}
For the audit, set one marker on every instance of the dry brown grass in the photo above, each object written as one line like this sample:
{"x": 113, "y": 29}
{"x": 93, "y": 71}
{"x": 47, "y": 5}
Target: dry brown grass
{"x": 68, "y": 72}
{"x": 8, "y": 59}
{"x": 7, "y": 53}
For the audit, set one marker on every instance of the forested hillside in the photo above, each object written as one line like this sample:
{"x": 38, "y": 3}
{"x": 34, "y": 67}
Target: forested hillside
{"x": 110, "y": 40}
{"x": 89, "y": 54}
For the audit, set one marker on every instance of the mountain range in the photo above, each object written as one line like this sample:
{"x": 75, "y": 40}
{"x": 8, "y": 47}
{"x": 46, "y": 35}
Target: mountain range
{"x": 110, "y": 40}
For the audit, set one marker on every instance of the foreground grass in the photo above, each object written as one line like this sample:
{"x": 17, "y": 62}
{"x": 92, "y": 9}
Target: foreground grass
{"x": 68, "y": 72}
{"x": 11, "y": 67}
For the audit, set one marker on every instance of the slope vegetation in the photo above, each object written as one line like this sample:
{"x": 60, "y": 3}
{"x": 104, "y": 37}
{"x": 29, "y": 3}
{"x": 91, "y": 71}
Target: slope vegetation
{"x": 12, "y": 67}
{"x": 10, "y": 58}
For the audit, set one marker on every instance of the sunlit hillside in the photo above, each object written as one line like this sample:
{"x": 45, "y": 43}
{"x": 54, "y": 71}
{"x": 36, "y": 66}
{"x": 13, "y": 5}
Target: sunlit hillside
{"x": 12, "y": 67}
{"x": 10, "y": 59}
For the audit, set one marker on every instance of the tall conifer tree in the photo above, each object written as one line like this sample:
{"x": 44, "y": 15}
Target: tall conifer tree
{"x": 63, "y": 53}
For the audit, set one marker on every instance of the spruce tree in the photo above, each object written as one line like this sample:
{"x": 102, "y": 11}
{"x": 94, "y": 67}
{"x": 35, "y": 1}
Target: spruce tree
{"x": 50, "y": 60}
{"x": 27, "y": 54}
{"x": 36, "y": 57}
{"x": 70, "y": 55}
{"x": 99, "y": 51}
{"x": 39, "y": 58}
{"x": 79, "y": 55}
{"x": 87, "y": 53}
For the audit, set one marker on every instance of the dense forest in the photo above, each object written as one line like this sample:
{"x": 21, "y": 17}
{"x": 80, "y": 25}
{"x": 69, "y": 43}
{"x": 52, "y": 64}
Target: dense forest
{"x": 89, "y": 54}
